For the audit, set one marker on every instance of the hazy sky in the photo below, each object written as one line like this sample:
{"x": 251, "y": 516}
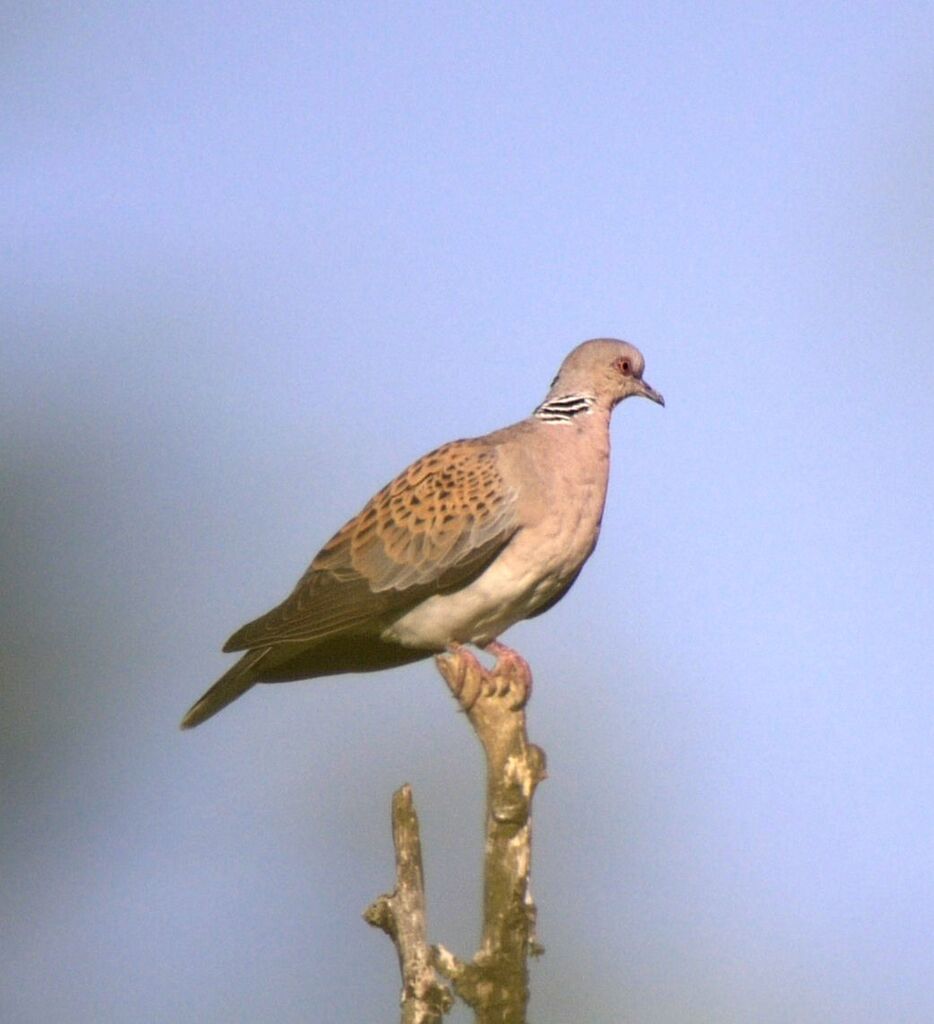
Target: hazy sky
{"x": 256, "y": 259}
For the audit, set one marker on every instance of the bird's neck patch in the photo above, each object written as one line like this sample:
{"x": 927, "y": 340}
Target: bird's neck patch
{"x": 565, "y": 408}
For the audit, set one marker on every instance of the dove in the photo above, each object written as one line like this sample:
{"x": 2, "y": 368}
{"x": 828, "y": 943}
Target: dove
{"x": 470, "y": 539}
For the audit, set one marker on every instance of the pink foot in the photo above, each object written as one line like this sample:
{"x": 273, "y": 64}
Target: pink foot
{"x": 513, "y": 670}
{"x": 463, "y": 673}
{"x": 469, "y": 680}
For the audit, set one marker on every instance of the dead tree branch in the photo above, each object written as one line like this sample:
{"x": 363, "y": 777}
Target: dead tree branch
{"x": 401, "y": 914}
{"x": 495, "y": 982}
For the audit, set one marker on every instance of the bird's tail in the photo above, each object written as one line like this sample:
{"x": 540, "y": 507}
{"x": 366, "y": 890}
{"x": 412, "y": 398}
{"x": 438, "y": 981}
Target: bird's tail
{"x": 231, "y": 685}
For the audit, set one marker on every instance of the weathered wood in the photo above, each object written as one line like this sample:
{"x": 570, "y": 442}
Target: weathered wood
{"x": 495, "y": 982}
{"x": 401, "y": 914}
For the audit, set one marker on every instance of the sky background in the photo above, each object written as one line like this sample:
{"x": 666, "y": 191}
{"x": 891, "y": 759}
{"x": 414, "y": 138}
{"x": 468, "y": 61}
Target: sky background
{"x": 256, "y": 259}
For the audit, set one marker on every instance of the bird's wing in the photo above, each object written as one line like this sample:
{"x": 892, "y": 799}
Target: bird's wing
{"x": 438, "y": 525}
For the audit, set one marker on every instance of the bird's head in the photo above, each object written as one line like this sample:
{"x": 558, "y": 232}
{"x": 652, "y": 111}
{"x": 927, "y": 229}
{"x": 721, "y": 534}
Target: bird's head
{"x": 607, "y": 369}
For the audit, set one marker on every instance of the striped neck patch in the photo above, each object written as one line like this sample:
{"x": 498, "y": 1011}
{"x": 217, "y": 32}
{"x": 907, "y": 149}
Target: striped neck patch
{"x": 565, "y": 408}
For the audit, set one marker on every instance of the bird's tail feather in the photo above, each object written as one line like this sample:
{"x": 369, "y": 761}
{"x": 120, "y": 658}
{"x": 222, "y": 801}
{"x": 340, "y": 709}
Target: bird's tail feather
{"x": 231, "y": 685}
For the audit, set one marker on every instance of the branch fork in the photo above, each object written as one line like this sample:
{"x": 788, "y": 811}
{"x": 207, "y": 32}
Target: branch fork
{"x": 495, "y": 982}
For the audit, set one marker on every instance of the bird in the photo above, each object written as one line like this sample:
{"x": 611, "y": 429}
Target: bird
{"x": 468, "y": 540}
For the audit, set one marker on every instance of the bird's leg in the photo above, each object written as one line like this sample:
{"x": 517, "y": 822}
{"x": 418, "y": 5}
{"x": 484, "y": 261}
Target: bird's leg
{"x": 468, "y": 677}
{"x": 513, "y": 670}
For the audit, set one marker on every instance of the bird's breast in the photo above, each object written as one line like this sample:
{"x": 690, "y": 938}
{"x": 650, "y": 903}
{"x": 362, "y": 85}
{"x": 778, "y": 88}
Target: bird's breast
{"x": 560, "y": 506}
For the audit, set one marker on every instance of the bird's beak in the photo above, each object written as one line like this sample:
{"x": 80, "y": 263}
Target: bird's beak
{"x": 649, "y": 392}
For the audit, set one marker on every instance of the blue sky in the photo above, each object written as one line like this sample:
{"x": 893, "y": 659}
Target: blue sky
{"x": 258, "y": 259}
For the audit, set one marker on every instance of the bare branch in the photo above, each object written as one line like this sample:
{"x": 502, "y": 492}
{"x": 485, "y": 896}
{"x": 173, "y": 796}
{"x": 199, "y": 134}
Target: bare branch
{"x": 401, "y": 914}
{"x": 495, "y": 982}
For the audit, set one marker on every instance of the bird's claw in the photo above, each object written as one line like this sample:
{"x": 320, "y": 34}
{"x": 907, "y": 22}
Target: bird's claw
{"x": 468, "y": 680}
{"x": 463, "y": 673}
{"x": 513, "y": 673}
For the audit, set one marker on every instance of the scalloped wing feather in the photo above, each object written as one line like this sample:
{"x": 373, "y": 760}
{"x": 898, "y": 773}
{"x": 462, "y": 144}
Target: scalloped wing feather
{"x": 437, "y": 526}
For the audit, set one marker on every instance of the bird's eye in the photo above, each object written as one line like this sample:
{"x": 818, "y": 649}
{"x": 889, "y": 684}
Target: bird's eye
{"x": 625, "y": 367}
